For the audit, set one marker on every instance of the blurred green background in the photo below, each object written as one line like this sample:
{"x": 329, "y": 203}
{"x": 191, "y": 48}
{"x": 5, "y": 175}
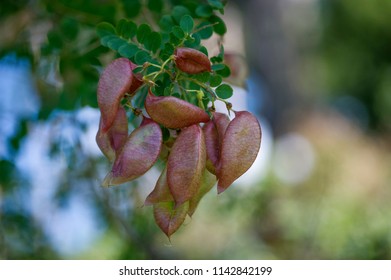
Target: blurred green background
{"x": 319, "y": 79}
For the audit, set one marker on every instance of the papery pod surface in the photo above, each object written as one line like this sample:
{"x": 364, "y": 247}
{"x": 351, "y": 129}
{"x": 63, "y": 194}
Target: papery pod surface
{"x": 208, "y": 180}
{"x": 116, "y": 80}
{"x": 221, "y": 121}
{"x": 170, "y": 217}
{"x": 173, "y": 112}
{"x": 161, "y": 192}
{"x": 211, "y": 145}
{"x": 191, "y": 61}
{"x": 186, "y": 164}
{"x": 214, "y": 131}
{"x": 111, "y": 141}
{"x": 240, "y": 147}
{"x": 138, "y": 155}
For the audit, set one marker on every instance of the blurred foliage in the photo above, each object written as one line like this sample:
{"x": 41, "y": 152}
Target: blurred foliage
{"x": 355, "y": 46}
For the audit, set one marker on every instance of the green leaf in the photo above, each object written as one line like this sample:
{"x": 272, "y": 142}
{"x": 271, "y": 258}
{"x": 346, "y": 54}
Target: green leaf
{"x": 174, "y": 40}
{"x": 126, "y": 29}
{"x": 132, "y": 8}
{"x": 224, "y": 91}
{"x": 178, "y": 32}
{"x": 193, "y": 41}
{"x": 216, "y": 59}
{"x": 144, "y": 31}
{"x": 104, "y": 29}
{"x": 219, "y": 25}
{"x": 205, "y": 30}
{"x": 215, "y": 80}
{"x": 166, "y": 23}
{"x": 167, "y": 51}
{"x": 216, "y": 4}
{"x": 128, "y": 50}
{"x": 153, "y": 41}
{"x": 120, "y": 26}
{"x": 217, "y": 67}
{"x": 221, "y": 53}
{"x": 106, "y": 39}
{"x": 116, "y": 43}
{"x": 204, "y": 50}
{"x": 155, "y": 5}
{"x": 202, "y": 77}
{"x": 187, "y": 23}
{"x": 178, "y": 12}
{"x": 165, "y": 37}
{"x": 225, "y": 72}
{"x": 204, "y": 11}
{"x": 141, "y": 57}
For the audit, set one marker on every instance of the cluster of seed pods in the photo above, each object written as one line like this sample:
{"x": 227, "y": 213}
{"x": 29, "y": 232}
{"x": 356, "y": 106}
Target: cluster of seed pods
{"x": 206, "y": 148}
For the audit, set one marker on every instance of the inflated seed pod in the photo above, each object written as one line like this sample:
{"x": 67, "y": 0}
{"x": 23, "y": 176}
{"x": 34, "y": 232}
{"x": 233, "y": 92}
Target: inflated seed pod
{"x": 173, "y": 112}
{"x": 208, "y": 180}
{"x": 191, "y": 61}
{"x": 186, "y": 164}
{"x": 111, "y": 141}
{"x": 212, "y": 146}
{"x": 240, "y": 147}
{"x": 167, "y": 216}
{"x": 221, "y": 121}
{"x": 138, "y": 155}
{"x": 170, "y": 217}
{"x": 214, "y": 131}
{"x": 116, "y": 80}
{"x": 161, "y": 192}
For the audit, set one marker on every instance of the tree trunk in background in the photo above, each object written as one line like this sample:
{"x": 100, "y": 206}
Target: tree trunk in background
{"x": 272, "y": 59}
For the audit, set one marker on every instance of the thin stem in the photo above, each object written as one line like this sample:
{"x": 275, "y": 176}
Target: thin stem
{"x": 205, "y": 26}
{"x": 162, "y": 69}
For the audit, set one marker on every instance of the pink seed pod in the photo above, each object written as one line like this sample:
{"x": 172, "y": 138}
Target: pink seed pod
{"x": 173, "y": 112}
{"x": 138, "y": 155}
{"x": 212, "y": 146}
{"x": 240, "y": 147}
{"x": 111, "y": 141}
{"x": 170, "y": 217}
{"x": 116, "y": 80}
{"x": 214, "y": 131}
{"x": 221, "y": 121}
{"x": 191, "y": 61}
{"x": 208, "y": 180}
{"x": 186, "y": 163}
{"x": 161, "y": 192}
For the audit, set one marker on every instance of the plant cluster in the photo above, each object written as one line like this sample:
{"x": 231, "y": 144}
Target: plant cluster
{"x": 164, "y": 69}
